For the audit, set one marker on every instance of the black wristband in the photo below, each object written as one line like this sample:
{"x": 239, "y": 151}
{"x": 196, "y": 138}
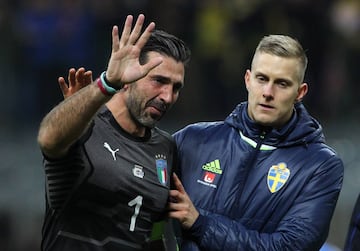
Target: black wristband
{"x": 107, "y": 82}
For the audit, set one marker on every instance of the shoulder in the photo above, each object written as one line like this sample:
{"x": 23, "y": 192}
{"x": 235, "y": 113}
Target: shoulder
{"x": 324, "y": 159}
{"x": 202, "y": 133}
{"x": 325, "y": 153}
{"x": 163, "y": 135}
{"x": 200, "y": 127}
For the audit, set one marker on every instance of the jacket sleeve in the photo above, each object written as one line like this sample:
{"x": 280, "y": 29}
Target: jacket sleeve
{"x": 304, "y": 227}
{"x": 352, "y": 241}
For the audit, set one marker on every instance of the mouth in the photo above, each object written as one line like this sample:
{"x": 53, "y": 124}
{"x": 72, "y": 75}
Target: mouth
{"x": 266, "y": 107}
{"x": 155, "y": 111}
{"x": 158, "y": 108}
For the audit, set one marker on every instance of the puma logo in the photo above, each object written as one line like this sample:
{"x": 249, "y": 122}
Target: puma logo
{"x": 107, "y": 146}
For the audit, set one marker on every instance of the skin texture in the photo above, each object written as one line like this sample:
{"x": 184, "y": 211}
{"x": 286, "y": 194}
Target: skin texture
{"x": 63, "y": 125}
{"x": 273, "y": 87}
{"x": 149, "y": 98}
{"x": 77, "y": 79}
{"x": 181, "y": 206}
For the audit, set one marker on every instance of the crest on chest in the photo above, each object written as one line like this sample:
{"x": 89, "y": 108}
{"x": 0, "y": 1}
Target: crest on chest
{"x": 277, "y": 176}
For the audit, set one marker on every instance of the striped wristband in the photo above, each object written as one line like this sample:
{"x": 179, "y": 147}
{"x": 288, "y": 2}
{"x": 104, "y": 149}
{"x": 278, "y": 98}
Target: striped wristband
{"x": 104, "y": 87}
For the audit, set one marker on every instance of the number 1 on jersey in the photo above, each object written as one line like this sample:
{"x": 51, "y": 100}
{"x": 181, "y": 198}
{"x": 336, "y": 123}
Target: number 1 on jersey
{"x": 137, "y": 202}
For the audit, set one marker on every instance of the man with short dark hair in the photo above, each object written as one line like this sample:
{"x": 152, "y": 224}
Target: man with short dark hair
{"x": 107, "y": 166}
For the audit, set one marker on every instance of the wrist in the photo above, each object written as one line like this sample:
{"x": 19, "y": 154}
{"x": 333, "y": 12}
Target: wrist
{"x": 107, "y": 83}
{"x": 196, "y": 231}
{"x": 105, "y": 86}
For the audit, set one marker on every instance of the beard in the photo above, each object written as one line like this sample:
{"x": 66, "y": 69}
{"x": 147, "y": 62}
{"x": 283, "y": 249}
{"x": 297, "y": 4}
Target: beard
{"x": 139, "y": 114}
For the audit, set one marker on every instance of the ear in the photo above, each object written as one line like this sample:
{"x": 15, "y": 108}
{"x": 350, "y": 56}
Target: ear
{"x": 247, "y": 78}
{"x": 303, "y": 89}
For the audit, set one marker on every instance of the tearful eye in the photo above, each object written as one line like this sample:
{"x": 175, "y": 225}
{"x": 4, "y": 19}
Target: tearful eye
{"x": 177, "y": 88}
{"x": 160, "y": 80}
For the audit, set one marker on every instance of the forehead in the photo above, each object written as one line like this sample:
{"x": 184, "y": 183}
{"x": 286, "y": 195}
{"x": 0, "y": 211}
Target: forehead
{"x": 276, "y": 66}
{"x": 169, "y": 68}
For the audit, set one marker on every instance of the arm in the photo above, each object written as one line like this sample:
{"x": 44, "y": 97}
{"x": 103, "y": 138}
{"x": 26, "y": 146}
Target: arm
{"x": 304, "y": 226}
{"x": 352, "y": 240}
{"x": 68, "y": 120}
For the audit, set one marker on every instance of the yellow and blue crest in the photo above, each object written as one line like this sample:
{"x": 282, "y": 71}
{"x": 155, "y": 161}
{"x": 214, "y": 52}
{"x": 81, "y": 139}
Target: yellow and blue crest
{"x": 277, "y": 177}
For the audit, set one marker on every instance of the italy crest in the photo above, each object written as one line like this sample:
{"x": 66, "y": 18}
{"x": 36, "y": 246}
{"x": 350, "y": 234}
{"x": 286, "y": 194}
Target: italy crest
{"x": 161, "y": 168}
{"x": 277, "y": 177}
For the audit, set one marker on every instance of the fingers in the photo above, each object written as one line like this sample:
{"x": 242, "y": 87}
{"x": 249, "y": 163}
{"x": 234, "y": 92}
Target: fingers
{"x": 88, "y": 78}
{"x": 174, "y": 193}
{"x": 79, "y": 77}
{"x": 176, "y": 208}
{"x": 176, "y": 201}
{"x": 126, "y": 31}
{"x": 152, "y": 64}
{"x": 116, "y": 44}
{"x": 178, "y": 184}
{"x": 71, "y": 76}
{"x": 134, "y": 36}
{"x": 145, "y": 35}
{"x": 124, "y": 66}
{"x": 178, "y": 195}
{"x": 63, "y": 86}
{"x": 182, "y": 209}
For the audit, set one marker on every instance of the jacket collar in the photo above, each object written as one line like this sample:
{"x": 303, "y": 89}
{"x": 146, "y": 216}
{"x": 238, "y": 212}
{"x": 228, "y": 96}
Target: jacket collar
{"x": 301, "y": 129}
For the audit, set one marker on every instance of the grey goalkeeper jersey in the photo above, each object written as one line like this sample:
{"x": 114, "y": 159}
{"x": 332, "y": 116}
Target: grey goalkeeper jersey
{"x": 110, "y": 188}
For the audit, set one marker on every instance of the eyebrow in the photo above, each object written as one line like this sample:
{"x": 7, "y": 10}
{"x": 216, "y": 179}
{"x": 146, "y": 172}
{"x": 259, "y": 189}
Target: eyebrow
{"x": 162, "y": 78}
{"x": 276, "y": 80}
{"x": 166, "y": 80}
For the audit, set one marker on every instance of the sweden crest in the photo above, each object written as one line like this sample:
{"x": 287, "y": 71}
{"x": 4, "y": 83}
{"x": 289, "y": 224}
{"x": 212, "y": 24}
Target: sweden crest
{"x": 277, "y": 177}
{"x": 161, "y": 168}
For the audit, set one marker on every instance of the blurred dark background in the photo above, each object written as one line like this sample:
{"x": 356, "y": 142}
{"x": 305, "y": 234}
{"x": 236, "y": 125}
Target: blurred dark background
{"x": 41, "y": 39}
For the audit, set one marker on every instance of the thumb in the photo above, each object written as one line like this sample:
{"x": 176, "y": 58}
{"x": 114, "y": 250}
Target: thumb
{"x": 178, "y": 184}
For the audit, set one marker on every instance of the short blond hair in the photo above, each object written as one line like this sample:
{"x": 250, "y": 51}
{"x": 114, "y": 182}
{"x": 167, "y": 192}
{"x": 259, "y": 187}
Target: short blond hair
{"x": 284, "y": 46}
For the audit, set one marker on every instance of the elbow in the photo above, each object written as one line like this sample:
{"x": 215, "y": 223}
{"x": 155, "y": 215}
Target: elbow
{"x": 49, "y": 145}
{"x": 45, "y": 143}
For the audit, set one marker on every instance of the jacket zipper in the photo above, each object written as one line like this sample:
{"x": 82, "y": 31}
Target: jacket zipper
{"x": 249, "y": 165}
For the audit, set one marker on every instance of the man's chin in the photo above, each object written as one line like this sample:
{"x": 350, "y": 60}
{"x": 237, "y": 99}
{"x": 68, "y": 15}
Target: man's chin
{"x": 264, "y": 121}
{"x": 151, "y": 121}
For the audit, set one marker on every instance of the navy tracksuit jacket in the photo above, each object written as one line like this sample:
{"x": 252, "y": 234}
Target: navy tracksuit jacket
{"x": 258, "y": 188}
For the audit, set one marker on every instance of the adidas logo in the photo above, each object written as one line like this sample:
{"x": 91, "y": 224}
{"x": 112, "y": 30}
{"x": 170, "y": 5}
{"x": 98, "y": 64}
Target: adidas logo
{"x": 213, "y": 166}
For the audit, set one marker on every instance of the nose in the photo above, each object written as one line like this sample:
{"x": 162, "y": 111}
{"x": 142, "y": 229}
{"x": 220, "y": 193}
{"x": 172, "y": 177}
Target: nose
{"x": 268, "y": 91}
{"x": 167, "y": 94}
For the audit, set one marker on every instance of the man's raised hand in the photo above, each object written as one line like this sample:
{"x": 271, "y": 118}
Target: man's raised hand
{"x": 124, "y": 66}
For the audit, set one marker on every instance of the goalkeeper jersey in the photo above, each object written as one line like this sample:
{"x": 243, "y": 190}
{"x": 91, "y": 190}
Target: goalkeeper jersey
{"x": 109, "y": 189}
